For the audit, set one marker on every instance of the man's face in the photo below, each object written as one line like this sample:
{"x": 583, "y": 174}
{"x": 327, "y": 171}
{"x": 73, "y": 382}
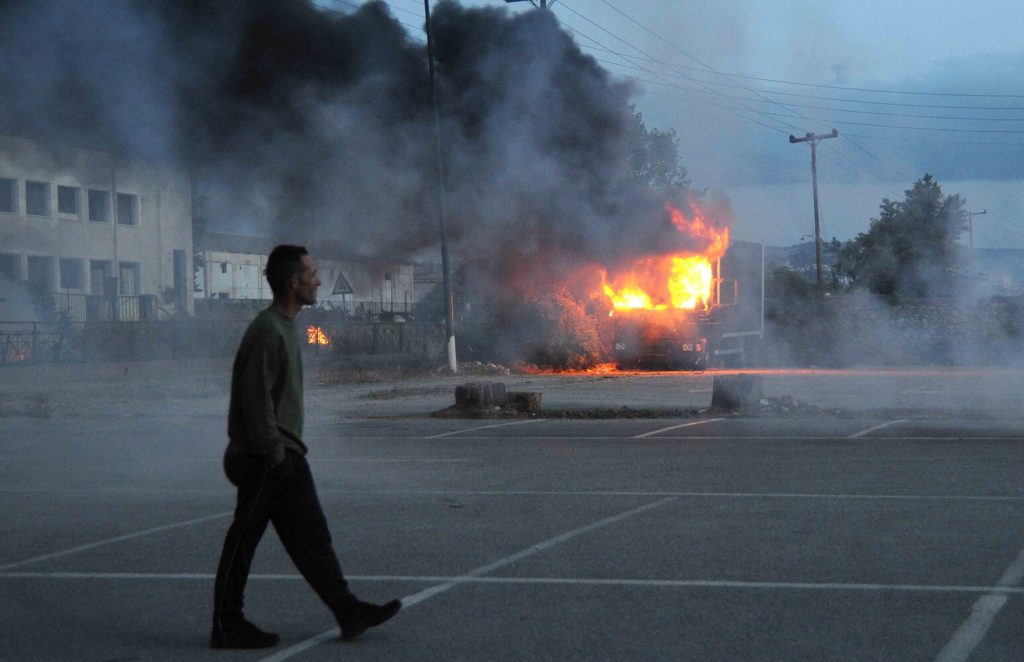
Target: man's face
{"x": 306, "y": 282}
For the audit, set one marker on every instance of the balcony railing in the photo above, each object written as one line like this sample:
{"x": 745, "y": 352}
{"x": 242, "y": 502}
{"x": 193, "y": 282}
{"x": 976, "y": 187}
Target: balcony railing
{"x": 98, "y": 308}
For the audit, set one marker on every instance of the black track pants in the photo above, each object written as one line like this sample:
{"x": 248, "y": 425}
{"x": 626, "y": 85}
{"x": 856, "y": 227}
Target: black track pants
{"x": 285, "y": 496}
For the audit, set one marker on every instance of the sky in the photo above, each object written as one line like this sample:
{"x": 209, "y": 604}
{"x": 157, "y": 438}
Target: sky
{"x": 911, "y": 86}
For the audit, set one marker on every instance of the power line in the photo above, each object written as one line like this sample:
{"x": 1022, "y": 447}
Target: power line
{"x": 857, "y": 165}
{"x": 828, "y": 108}
{"x": 869, "y": 153}
{"x": 660, "y": 38}
{"x": 639, "y": 50}
{"x": 938, "y": 141}
{"x": 627, "y": 57}
{"x": 832, "y": 151}
{"x": 815, "y": 96}
{"x": 924, "y": 128}
{"x": 774, "y": 80}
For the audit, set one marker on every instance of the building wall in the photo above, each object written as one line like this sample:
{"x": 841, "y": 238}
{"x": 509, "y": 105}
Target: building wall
{"x": 376, "y": 287}
{"x": 234, "y": 276}
{"x": 130, "y": 214}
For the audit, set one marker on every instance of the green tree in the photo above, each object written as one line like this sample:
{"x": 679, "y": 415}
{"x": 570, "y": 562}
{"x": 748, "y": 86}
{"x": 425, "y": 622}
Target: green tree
{"x": 797, "y": 319}
{"x": 909, "y": 251}
{"x": 654, "y": 156}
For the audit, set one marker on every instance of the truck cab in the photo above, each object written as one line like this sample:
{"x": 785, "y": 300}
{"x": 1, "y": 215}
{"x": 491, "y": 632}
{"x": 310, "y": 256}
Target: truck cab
{"x": 667, "y": 339}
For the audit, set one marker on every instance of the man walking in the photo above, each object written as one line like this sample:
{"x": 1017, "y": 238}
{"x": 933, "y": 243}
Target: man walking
{"x": 265, "y": 460}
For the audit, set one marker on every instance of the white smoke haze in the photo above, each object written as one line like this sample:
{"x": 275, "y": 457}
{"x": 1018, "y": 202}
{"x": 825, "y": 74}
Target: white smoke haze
{"x": 315, "y": 126}
{"x": 17, "y": 303}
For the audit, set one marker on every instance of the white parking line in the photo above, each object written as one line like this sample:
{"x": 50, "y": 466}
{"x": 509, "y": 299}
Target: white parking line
{"x": 565, "y": 493}
{"x": 347, "y": 460}
{"x": 451, "y": 583}
{"x": 108, "y": 541}
{"x": 972, "y": 631}
{"x": 382, "y": 460}
{"x": 483, "y": 427}
{"x": 599, "y": 437}
{"x": 571, "y": 581}
{"x": 676, "y": 427}
{"x": 864, "y": 433}
{"x": 702, "y": 495}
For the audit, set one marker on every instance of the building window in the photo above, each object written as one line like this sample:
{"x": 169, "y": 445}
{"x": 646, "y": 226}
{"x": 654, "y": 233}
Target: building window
{"x": 69, "y": 200}
{"x": 9, "y": 196}
{"x": 99, "y": 206}
{"x": 72, "y": 274}
{"x": 10, "y": 267}
{"x": 37, "y": 198}
{"x": 127, "y": 209}
{"x": 223, "y": 267}
{"x": 128, "y": 278}
{"x": 40, "y": 274}
{"x": 99, "y": 274}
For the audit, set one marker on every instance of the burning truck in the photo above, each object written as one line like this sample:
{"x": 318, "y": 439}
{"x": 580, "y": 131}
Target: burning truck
{"x": 689, "y": 310}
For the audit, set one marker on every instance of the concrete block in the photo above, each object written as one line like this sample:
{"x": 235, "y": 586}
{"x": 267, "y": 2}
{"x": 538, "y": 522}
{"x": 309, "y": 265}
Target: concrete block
{"x": 524, "y": 401}
{"x": 736, "y": 392}
{"x": 479, "y": 395}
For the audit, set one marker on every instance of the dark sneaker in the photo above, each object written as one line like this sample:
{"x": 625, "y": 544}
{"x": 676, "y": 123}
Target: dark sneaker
{"x": 241, "y": 634}
{"x": 368, "y": 616}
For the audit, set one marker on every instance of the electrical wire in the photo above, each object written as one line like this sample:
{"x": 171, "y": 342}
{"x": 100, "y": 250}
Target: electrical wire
{"x": 874, "y": 102}
{"x": 773, "y": 80}
{"x": 791, "y": 113}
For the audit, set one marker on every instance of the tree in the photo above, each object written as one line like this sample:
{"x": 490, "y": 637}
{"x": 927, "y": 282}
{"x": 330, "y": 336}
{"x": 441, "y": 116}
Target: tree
{"x": 654, "y": 156}
{"x": 909, "y": 251}
{"x": 797, "y": 318}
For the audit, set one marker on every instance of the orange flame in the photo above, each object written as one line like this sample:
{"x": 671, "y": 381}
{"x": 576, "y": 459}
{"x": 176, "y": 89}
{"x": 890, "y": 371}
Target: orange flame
{"x": 675, "y": 280}
{"x": 316, "y": 336}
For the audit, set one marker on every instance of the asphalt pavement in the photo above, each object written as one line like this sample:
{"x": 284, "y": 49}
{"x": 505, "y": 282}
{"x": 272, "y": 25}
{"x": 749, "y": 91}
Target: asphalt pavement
{"x": 881, "y": 532}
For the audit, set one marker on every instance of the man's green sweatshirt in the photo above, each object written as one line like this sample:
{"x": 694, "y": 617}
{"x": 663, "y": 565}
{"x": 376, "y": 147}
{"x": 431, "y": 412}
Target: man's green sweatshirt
{"x": 265, "y": 415}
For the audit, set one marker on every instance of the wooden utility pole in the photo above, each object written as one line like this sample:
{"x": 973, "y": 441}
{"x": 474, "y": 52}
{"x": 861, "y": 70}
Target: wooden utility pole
{"x": 813, "y": 138}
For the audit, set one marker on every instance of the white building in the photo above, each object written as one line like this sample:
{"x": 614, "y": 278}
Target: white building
{"x": 109, "y": 237}
{"x": 230, "y": 267}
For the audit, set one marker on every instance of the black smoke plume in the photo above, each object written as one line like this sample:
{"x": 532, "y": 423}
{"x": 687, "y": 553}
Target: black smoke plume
{"x": 314, "y": 125}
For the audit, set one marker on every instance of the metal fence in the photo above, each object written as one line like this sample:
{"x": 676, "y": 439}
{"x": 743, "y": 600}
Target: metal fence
{"x": 368, "y": 338}
{"x": 71, "y": 342}
{"x": 93, "y": 307}
{"x": 30, "y": 341}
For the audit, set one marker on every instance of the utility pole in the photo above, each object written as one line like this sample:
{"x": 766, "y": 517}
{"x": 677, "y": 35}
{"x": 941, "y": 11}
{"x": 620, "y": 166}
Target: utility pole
{"x": 970, "y": 227}
{"x": 813, "y": 138}
{"x": 449, "y": 296}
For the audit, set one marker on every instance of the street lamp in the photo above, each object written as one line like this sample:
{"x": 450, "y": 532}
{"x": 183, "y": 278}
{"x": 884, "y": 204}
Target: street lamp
{"x": 544, "y": 4}
{"x": 970, "y": 227}
{"x": 449, "y": 297}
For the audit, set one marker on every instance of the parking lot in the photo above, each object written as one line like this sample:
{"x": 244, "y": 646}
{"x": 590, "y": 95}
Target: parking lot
{"x": 707, "y": 537}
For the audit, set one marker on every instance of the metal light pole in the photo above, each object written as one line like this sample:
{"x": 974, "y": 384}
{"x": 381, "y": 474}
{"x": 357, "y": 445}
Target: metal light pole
{"x": 544, "y": 4}
{"x": 813, "y": 139}
{"x": 449, "y": 297}
{"x": 970, "y": 227}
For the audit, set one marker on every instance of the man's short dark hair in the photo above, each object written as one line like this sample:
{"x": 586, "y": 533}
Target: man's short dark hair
{"x": 284, "y": 262}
